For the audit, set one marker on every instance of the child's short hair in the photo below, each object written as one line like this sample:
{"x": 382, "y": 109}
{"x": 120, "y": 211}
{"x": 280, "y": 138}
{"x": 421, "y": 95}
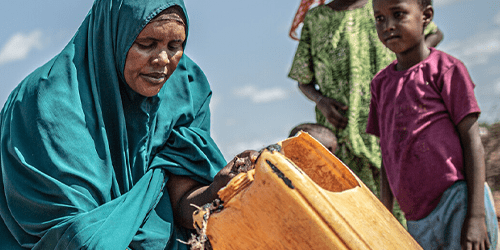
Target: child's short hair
{"x": 319, "y": 132}
{"x": 308, "y": 127}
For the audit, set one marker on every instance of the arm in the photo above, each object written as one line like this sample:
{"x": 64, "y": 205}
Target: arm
{"x": 433, "y": 39}
{"x": 329, "y": 107}
{"x": 302, "y": 71}
{"x": 184, "y": 191}
{"x": 386, "y": 196}
{"x": 474, "y": 233}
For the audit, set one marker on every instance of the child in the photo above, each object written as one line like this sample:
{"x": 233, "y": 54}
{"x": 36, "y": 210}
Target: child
{"x": 319, "y": 132}
{"x": 424, "y": 110}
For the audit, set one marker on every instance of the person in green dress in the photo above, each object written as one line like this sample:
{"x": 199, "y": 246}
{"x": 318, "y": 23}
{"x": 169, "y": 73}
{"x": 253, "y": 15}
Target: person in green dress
{"x": 336, "y": 58}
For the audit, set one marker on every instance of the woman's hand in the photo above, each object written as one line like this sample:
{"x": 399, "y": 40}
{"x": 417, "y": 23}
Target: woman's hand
{"x": 333, "y": 111}
{"x": 241, "y": 163}
{"x": 184, "y": 191}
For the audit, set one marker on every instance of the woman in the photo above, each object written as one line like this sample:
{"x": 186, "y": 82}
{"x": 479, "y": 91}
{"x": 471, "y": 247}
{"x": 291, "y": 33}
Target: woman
{"x": 98, "y": 150}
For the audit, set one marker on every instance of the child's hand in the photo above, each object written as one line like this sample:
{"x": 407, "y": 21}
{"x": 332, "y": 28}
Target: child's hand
{"x": 474, "y": 234}
{"x": 333, "y": 111}
{"x": 241, "y": 163}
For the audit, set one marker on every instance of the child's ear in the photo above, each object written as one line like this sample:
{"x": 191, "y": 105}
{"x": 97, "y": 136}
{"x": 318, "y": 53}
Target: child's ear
{"x": 427, "y": 15}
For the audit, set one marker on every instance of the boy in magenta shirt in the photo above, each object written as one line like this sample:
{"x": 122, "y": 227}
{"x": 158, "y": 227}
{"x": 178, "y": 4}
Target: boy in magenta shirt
{"x": 425, "y": 112}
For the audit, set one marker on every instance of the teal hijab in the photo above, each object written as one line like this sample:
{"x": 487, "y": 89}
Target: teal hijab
{"x": 85, "y": 159}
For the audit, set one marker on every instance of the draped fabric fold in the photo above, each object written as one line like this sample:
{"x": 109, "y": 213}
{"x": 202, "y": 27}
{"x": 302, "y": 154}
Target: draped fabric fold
{"x": 304, "y": 6}
{"x": 84, "y": 159}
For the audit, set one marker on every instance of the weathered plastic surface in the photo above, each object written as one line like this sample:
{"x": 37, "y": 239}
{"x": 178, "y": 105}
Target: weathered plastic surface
{"x": 304, "y": 199}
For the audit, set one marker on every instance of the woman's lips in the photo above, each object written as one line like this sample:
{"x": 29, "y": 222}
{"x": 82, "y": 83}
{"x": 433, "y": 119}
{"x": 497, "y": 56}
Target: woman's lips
{"x": 155, "y": 78}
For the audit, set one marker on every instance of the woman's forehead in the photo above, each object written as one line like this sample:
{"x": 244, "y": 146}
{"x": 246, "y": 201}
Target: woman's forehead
{"x": 173, "y": 13}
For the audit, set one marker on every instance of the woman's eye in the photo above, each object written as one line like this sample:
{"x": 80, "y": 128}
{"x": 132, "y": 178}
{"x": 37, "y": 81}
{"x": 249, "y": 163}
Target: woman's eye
{"x": 175, "y": 45}
{"x": 379, "y": 19}
{"x": 145, "y": 45}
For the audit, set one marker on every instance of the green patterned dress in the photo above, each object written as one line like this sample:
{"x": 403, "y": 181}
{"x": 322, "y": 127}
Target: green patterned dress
{"x": 340, "y": 52}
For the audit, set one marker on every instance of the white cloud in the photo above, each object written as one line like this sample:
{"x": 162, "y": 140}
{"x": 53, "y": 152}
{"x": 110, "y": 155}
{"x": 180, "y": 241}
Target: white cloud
{"x": 441, "y": 3}
{"x": 19, "y": 45}
{"x": 497, "y": 86}
{"x": 496, "y": 19}
{"x": 214, "y": 103}
{"x": 477, "y": 50}
{"x": 261, "y": 96}
{"x": 230, "y": 122}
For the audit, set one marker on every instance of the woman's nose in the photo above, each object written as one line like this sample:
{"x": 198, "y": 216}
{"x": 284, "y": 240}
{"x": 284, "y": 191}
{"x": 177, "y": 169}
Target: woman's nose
{"x": 162, "y": 58}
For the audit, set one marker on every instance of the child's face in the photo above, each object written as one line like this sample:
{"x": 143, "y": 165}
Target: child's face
{"x": 400, "y": 24}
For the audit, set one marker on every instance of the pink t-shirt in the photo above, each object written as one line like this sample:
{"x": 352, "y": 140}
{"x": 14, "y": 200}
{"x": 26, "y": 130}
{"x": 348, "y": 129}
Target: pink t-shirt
{"x": 415, "y": 113}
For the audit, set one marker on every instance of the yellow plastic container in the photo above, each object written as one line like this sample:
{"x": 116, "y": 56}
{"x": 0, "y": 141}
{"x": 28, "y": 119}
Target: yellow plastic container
{"x": 304, "y": 198}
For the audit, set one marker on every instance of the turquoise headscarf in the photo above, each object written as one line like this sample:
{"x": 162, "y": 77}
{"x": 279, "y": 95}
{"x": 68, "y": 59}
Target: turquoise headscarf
{"x": 85, "y": 159}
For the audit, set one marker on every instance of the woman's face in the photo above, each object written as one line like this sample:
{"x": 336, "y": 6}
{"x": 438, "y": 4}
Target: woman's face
{"x": 155, "y": 53}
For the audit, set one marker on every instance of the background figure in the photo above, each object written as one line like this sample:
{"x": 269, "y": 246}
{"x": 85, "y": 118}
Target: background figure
{"x": 319, "y": 132}
{"x": 108, "y": 144}
{"x": 337, "y": 56}
{"x": 339, "y": 53}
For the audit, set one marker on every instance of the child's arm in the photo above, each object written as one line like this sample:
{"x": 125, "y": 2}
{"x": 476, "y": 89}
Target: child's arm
{"x": 474, "y": 233}
{"x": 432, "y": 40}
{"x": 386, "y": 196}
{"x": 329, "y": 107}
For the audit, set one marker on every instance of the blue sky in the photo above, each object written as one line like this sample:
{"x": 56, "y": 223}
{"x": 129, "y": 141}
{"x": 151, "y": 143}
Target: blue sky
{"x": 244, "y": 49}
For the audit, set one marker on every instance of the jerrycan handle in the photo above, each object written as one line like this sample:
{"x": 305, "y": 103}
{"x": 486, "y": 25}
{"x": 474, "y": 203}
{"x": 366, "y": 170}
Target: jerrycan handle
{"x": 238, "y": 183}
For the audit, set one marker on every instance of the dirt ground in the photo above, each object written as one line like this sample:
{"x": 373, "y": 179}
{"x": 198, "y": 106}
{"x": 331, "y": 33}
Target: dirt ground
{"x": 490, "y": 135}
